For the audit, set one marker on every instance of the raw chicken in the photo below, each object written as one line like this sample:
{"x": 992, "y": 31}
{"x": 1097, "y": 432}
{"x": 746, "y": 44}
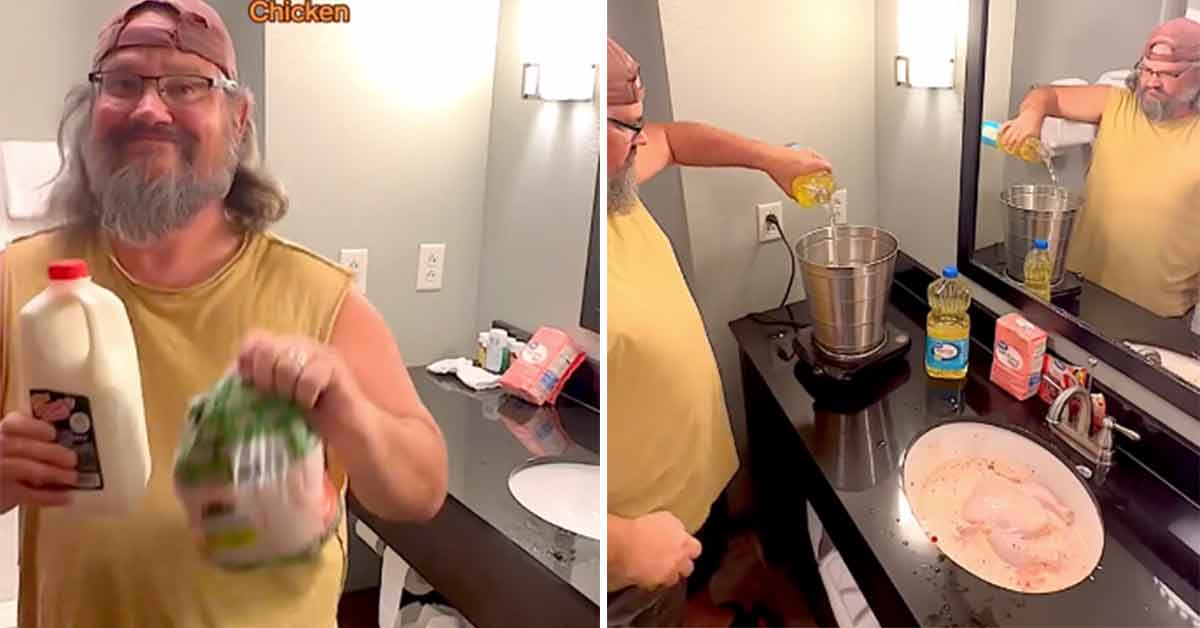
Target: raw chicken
{"x": 1018, "y": 518}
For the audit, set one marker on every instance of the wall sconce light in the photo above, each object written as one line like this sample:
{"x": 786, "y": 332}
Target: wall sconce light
{"x": 558, "y": 82}
{"x": 928, "y": 39}
{"x": 930, "y": 73}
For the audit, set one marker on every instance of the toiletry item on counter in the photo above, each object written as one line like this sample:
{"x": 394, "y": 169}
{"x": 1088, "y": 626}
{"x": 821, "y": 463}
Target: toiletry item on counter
{"x": 77, "y": 364}
{"x": 470, "y": 375}
{"x": 1058, "y": 376}
{"x": 497, "y": 351}
{"x": 1018, "y": 356}
{"x": 251, "y": 476}
{"x": 549, "y": 359}
{"x": 481, "y": 347}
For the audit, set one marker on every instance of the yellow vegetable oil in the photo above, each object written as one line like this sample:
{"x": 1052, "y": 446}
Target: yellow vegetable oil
{"x": 1030, "y": 150}
{"x": 948, "y": 327}
{"x": 1039, "y": 268}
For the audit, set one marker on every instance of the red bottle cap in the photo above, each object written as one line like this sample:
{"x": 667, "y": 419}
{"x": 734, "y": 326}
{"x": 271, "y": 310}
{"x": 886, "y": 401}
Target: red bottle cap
{"x": 68, "y": 269}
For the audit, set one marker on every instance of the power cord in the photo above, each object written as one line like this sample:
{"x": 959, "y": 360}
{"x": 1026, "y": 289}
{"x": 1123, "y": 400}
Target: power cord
{"x": 761, "y": 319}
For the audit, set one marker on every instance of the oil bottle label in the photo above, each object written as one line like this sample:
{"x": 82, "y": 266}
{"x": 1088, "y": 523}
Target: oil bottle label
{"x": 947, "y": 355}
{"x": 71, "y": 416}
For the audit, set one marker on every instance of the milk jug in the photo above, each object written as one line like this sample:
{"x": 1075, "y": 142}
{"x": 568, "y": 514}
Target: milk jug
{"x": 78, "y": 370}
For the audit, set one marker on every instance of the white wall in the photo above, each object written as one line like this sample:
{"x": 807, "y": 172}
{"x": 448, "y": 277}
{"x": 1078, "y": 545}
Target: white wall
{"x": 379, "y": 131}
{"x": 543, "y": 159}
{"x": 778, "y": 71}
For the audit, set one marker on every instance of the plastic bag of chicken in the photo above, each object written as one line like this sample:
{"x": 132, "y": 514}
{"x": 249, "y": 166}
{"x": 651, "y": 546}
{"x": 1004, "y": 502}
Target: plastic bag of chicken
{"x": 251, "y": 476}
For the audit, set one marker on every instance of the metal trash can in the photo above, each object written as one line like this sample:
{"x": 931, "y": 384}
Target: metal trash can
{"x": 848, "y": 286}
{"x": 1045, "y": 212}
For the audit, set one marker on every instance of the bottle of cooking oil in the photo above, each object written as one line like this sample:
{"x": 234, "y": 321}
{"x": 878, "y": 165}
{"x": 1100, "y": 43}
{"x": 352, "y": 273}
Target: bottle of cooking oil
{"x": 948, "y": 328}
{"x": 1030, "y": 150}
{"x": 1038, "y": 269}
{"x": 814, "y": 189}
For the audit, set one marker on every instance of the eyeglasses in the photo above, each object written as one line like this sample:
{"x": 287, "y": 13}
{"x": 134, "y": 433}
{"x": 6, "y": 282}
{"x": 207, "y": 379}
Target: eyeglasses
{"x": 636, "y": 129}
{"x": 1140, "y": 66}
{"x": 176, "y": 90}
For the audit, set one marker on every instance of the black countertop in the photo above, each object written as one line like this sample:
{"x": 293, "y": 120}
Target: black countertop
{"x": 840, "y": 448}
{"x": 498, "y": 563}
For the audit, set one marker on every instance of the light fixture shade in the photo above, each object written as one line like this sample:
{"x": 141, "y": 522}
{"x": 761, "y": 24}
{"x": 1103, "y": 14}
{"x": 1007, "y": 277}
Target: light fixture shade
{"x": 928, "y": 38}
{"x": 559, "y": 82}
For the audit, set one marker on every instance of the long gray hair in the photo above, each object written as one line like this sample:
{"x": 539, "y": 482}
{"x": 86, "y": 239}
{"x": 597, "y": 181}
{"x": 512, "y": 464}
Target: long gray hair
{"x": 256, "y": 198}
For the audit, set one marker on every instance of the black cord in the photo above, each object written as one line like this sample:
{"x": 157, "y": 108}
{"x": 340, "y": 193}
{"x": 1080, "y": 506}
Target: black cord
{"x": 773, "y": 220}
{"x": 791, "y": 322}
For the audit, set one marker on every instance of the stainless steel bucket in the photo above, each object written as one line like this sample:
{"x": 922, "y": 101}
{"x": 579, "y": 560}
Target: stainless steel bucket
{"x": 1045, "y": 212}
{"x": 848, "y": 299}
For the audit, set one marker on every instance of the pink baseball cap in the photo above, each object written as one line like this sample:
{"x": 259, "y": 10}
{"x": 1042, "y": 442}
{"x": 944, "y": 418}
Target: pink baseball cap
{"x": 624, "y": 77}
{"x": 198, "y": 29}
{"x": 1175, "y": 41}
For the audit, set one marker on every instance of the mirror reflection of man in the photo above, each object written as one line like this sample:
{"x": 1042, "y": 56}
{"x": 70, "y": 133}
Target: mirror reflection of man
{"x": 1138, "y": 234}
{"x": 670, "y": 446}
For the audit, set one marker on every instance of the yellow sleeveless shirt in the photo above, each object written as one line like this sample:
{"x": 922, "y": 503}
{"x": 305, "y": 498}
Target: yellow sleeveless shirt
{"x": 670, "y": 444}
{"x": 1137, "y": 234}
{"x": 143, "y": 569}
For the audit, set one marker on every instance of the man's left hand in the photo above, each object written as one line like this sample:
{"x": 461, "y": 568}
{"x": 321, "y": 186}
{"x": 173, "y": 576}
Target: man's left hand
{"x": 312, "y": 375}
{"x": 783, "y": 164}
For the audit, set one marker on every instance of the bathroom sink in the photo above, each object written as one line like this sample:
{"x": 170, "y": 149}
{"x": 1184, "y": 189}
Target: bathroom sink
{"x": 1009, "y": 511}
{"x": 563, "y": 493}
{"x": 1185, "y": 367}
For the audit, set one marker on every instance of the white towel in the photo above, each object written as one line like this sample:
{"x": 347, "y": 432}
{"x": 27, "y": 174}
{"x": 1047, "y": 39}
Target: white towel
{"x": 25, "y": 171}
{"x": 469, "y": 374}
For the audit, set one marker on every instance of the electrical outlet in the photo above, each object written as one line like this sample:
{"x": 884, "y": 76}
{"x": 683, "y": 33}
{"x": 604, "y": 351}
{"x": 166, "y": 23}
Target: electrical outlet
{"x": 356, "y": 261}
{"x": 766, "y": 231}
{"x": 837, "y": 205}
{"x": 431, "y": 261}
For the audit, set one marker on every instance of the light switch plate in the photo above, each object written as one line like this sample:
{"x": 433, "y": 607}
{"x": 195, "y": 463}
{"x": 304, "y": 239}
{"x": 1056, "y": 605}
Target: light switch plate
{"x": 431, "y": 262}
{"x": 356, "y": 261}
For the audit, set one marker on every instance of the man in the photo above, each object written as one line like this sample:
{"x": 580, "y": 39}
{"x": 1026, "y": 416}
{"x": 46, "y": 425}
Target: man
{"x": 670, "y": 447}
{"x": 1137, "y": 234}
{"x": 166, "y": 201}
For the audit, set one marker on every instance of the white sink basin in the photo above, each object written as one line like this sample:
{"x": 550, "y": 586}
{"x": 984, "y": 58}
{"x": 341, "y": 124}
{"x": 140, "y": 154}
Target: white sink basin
{"x": 566, "y": 494}
{"x": 1185, "y": 367}
{"x": 954, "y": 458}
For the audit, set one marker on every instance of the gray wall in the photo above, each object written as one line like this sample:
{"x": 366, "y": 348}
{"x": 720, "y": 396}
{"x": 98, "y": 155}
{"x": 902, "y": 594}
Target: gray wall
{"x": 383, "y": 156}
{"x": 541, "y": 180}
{"x": 637, "y": 26}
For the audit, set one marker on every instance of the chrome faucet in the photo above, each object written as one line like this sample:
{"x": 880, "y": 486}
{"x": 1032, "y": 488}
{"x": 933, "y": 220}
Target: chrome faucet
{"x": 1077, "y": 431}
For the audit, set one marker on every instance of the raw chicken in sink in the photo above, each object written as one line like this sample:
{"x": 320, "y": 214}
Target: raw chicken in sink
{"x": 1018, "y": 518}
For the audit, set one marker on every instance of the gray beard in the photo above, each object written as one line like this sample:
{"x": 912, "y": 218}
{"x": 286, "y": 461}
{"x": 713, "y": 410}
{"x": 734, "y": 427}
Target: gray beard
{"x": 1162, "y": 110}
{"x": 622, "y": 190}
{"x": 139, "y": 208}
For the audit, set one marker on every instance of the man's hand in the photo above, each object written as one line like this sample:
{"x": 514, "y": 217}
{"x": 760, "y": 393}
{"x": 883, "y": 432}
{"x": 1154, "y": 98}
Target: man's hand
{"x": 655, "y": 551}
{"x": 34, "y": 470}
{"x": 784, "y": 164}
{"x": 309, "y": 374}
{"x": 1014, "y": 132}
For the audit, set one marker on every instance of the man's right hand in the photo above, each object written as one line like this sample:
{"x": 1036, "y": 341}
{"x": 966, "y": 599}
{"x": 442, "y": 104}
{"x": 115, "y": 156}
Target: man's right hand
{"x": 34, "y": 470}
{"x": 657, "y": 551}
{"x": 1014, "y": 132}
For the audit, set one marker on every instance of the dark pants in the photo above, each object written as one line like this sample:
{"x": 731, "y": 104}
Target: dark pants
{"x": 664, "y": 608}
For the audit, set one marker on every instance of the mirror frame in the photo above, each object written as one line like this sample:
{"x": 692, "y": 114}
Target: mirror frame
{"x": 589, "y": 310}
{"x": 1047, "y": 316}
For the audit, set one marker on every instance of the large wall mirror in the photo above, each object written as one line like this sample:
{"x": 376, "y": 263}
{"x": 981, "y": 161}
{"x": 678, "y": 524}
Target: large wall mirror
{"x": 1116, "y": 199}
